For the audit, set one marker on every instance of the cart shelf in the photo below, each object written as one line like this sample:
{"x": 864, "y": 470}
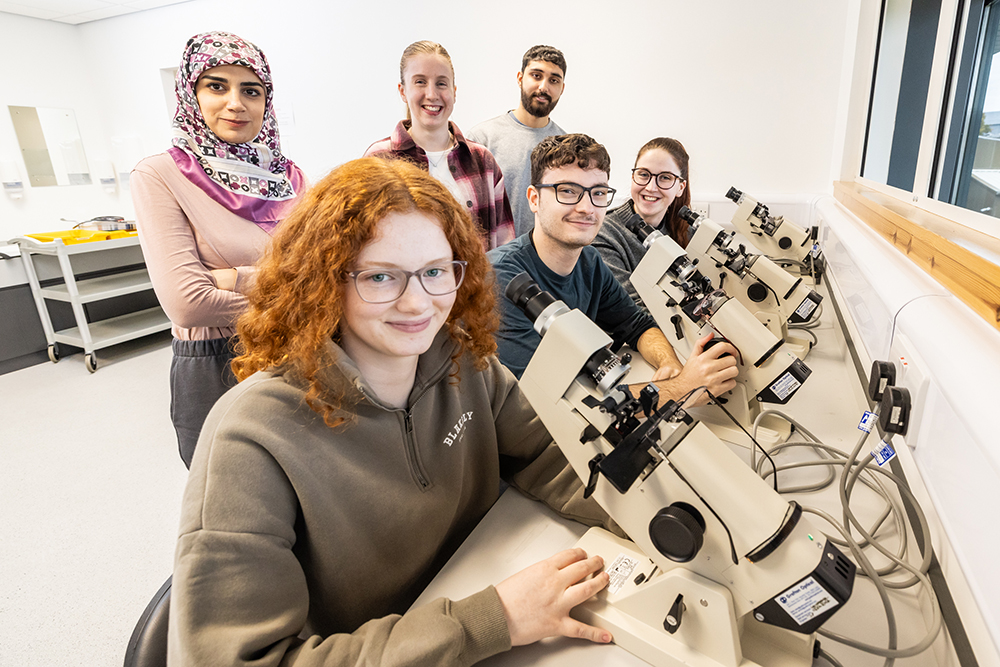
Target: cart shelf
{"x": 96, "y": 335}
{"x": 105, "y": 287}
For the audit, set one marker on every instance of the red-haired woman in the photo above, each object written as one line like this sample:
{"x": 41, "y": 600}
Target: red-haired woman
{"x": 365, "y": 441}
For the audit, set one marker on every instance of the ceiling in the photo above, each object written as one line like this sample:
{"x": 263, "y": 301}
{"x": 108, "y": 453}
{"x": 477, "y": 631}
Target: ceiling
{"x": 80, "y": 11}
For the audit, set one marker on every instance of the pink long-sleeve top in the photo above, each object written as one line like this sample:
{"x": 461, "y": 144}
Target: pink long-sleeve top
{"x": 184, "y": 234}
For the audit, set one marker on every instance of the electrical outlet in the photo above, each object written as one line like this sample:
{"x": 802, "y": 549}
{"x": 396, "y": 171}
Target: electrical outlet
{"x": 701, "y": 208}
{"x": 910, "y": 374}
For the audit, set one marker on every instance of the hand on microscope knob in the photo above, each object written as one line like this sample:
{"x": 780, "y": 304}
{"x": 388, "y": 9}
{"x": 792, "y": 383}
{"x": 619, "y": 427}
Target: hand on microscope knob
{"x": 537, "y": 600}
{"x": 714, "y": 368}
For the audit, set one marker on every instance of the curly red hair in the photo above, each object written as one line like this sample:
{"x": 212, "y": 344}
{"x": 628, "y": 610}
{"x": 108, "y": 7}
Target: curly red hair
{"x": 296, "y": 304}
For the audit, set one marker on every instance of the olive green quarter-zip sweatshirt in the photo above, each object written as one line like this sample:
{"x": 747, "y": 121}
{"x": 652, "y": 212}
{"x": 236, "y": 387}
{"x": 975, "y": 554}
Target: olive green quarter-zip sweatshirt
{"x": 305, "y": 545}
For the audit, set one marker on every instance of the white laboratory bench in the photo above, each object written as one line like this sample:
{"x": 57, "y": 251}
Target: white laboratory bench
{"x": 518, "y": 532}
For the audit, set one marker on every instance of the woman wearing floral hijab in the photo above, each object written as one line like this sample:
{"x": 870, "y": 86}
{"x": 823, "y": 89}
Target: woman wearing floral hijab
{"x": 205, "y": 211}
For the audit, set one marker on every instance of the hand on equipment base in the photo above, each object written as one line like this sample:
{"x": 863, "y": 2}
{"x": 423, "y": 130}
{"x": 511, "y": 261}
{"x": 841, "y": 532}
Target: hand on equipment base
{"x": 537, "y": 600}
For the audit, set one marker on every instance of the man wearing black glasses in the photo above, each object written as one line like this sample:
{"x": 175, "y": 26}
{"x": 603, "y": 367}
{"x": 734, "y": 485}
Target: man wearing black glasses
{"x": 569, "y": 196}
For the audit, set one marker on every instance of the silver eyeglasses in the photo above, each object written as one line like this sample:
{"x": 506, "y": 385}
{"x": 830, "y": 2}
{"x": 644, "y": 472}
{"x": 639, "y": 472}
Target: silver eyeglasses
{"x": 664, "y": 180}
{"x": 572, "y": 193}
{"x": 385, "y": 285}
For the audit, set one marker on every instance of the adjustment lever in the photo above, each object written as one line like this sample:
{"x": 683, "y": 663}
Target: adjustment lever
{"x": 594, "y": 474}
{"x": 649, "y": 398}
{"x": 676, "y": 321}
{"x": 673, "y": 619}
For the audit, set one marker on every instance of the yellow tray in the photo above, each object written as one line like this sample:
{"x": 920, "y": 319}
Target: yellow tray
{"x": 73, "y": 236}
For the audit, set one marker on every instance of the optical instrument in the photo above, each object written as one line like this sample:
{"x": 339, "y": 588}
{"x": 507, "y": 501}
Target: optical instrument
{"x": 776, "y": 237}
{"x": 687, "y": 308}
{"x": 774, "y": 296}
{"x": 721, "y": 572}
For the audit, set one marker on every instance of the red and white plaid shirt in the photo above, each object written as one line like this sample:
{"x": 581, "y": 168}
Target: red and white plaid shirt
{"x": 476, "y": 173}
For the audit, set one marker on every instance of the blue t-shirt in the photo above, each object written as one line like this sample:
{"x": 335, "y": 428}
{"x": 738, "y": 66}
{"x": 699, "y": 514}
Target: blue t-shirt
{"x": 591, "y": 288}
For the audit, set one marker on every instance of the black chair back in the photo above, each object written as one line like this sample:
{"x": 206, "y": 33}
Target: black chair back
{"x": 148, "y": 645}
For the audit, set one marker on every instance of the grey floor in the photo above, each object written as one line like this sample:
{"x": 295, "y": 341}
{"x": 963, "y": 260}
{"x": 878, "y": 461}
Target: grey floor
{"x": 90, "y": 488}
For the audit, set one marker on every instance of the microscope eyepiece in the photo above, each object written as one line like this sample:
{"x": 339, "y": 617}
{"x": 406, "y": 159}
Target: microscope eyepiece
{"x": 525, "y": 293}
{"x": 734, "y": 195}
{"x": 687, "y": 215}
{"x": 605, "y": 367}
{"x": 640, "y": 229}
{"x": 540, "y": 306}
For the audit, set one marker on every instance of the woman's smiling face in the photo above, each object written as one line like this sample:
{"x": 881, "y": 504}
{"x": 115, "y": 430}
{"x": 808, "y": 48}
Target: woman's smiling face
{"x": 651, "y": 202}
{"x": 381, "y": 334}
{"x": 428, "y": 89}
{"x": 232, "y": 100}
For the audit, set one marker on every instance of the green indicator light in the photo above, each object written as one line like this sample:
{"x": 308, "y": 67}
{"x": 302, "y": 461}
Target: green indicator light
{"x": 811, "y": 538}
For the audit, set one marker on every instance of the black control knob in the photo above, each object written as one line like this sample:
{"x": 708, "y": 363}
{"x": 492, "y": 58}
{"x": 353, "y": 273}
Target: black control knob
{"x": 757, "y": 292}
{"x": 678, "y": 532}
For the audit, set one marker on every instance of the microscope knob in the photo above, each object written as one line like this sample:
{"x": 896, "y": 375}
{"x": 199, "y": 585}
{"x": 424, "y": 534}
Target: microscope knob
{"x": 677, "y": 532}
{"x": 757, "y": 292}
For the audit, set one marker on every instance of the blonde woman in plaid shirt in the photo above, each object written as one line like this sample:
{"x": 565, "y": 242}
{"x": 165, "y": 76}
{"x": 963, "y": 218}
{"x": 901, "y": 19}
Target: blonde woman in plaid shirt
{"x": 430, "y": 139}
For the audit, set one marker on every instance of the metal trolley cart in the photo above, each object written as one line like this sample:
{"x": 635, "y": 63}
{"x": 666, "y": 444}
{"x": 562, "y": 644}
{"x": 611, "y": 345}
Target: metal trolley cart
{"x": 90, "y": 336}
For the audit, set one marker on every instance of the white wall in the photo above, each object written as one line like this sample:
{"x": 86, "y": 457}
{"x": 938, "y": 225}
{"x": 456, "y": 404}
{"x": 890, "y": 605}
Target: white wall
{"x": 45, "y": 65}
{"x": 751, "y": 88}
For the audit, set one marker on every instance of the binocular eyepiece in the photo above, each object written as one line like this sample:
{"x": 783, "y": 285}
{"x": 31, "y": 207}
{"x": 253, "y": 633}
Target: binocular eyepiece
{"x": 639, "y": 227}
{"x": 687, "y": 215}
{"x": 603, "y": 366}
{"x": 525, "y": 293}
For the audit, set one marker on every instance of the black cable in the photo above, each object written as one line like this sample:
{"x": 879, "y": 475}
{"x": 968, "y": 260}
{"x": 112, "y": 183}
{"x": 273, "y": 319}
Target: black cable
{"x": 732, "y": 545}
{"x": 660, "y": 417}
{"x": 752, "y": 439}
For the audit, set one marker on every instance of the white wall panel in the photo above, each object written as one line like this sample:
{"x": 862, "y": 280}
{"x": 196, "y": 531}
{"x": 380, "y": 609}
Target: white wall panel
{"x": 750, "y": 88}
{"x": 949, "y": 360}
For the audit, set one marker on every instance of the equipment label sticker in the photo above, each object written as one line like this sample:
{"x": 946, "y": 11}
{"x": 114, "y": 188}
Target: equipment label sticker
{"x": 785, "y": 386}
{"x": 806, "y": 309}
{"x": 815, "y": 251}
{"x": 884, "y": 453}
{"x": 806, "y": 600}
{"x": 867, "y": 421}
{"x": 620, "y": 572}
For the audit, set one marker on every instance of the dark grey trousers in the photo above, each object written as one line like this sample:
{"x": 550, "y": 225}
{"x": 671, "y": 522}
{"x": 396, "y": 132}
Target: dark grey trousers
{"x": 199, "y": 376}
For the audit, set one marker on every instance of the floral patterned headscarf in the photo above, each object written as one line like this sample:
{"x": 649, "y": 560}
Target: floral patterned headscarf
{"x": 253, "y": 180}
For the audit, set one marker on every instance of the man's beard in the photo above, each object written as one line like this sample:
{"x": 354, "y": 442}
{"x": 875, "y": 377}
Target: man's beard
{"x": 537, "y": 108}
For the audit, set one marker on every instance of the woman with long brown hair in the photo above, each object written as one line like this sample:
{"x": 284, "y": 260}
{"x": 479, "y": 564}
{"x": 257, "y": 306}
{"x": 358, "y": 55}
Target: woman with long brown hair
{"x": 659, "y": 190}
{"x": 365, "y": 441}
